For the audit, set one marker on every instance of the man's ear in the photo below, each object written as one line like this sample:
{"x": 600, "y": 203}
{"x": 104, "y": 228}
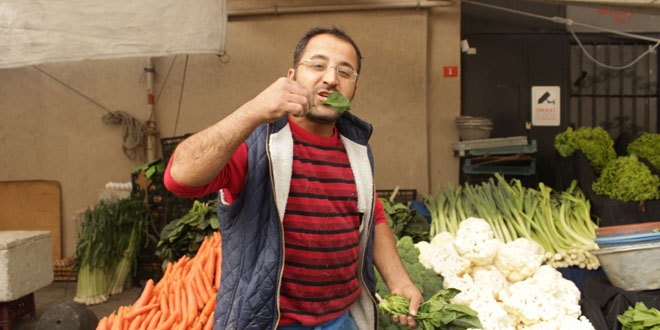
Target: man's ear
{"x": 291, "y": 74}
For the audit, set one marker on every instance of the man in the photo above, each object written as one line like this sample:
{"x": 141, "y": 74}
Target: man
{"x": 302, "y": 226}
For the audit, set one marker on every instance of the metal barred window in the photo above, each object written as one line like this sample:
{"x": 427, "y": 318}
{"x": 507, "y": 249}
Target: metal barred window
{"x": 622, "y": 101}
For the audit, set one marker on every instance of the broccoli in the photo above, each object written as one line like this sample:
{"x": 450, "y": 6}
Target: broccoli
{"x": 646, "y": 146}
{"x": 627, "y": 179}
{"x": 594, "y": 142}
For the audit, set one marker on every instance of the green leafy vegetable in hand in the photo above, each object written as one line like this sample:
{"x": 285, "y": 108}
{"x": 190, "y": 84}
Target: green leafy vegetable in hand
{"x": 435, "y": 313}
{"x": 594, "y": 142}
{"x": 646, "y": 146}
{"x": 338, "y": 101}
{"x": 640, "y": 318}
{"x": 426, "y": 280}
{"x": 627, "y": 179}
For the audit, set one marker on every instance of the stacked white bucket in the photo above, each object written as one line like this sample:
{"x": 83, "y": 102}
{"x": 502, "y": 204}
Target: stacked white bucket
{"x": 474, "y": 128}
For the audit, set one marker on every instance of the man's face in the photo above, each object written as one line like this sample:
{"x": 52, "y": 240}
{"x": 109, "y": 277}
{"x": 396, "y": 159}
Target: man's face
{"x": 331, "y": 52}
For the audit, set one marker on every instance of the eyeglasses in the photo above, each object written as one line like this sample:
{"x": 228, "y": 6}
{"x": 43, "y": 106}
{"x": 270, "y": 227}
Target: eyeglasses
{"x": 342, "y": 71}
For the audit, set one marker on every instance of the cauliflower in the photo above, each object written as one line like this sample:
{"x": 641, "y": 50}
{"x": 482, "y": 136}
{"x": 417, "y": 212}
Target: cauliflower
{"x": 519, "y": 259}
{"x": 442, "y": 238}
{"x": 508, "y": 285}
{"x": 443, "y": 259}
{"x": 567, "y": 323}
{"x": 489, "y": 279}
{"x": 546, "y": 296}
{"x": 465, "y": 284}
{"x": 492, "y": 315}
{"x": 475, "y": 241}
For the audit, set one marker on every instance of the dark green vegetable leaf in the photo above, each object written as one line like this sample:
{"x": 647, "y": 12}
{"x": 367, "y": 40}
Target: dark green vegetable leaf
{"x": 338, "y": 101}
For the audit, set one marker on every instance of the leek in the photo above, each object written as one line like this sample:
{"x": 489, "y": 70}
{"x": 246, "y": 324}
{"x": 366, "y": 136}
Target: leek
{"x": 108, "y": 243}
{"x": 559, "y": 221}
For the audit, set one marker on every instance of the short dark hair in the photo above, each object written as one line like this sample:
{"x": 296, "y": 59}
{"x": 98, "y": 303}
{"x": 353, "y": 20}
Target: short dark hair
{"x": 335, "y": 31}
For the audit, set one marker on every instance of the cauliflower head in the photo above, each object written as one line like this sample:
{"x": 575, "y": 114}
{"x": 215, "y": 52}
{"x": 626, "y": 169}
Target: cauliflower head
{"x": 519, "y": 259}
{"x": 476, "y": 242}
{"x": 543, "y": 298}
{"x": 492, "y": 315}
{"x": 443, "y": 259}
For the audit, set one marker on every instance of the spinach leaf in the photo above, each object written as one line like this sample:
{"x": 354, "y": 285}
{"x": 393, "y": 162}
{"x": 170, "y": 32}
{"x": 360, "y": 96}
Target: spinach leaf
{"x": 338, "y": 101}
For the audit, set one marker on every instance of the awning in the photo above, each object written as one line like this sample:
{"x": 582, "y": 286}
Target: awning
{"x": 40, "y": 31}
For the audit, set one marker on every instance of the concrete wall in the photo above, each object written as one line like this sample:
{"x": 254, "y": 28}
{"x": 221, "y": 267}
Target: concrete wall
{"x": 51, "y": 125}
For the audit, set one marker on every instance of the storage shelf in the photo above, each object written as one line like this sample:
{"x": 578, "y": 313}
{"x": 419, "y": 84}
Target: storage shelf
{"x": 465, "y": 147}
{"x": 528, "y": 169}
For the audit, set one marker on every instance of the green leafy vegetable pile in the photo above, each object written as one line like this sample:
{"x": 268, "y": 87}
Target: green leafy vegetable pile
{"x": 338, "y": 101}
{"x": 183, "y": 236}
{"x": 596, "y": 144}
{"x": 627, "y": 179}
{"x": 640, "y": 318}
{"x": 405, "y": 222}
{"x": 646, "y": 146}
{"x": 435, "y": 313}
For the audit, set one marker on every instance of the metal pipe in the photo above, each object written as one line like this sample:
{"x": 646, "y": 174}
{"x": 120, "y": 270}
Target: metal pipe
{"x": 276, "y": 10}
{"x": 151, "y": 121}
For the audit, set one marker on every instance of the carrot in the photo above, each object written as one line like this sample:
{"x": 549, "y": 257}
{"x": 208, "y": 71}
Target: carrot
{"x": 168, "y": 322}
{"x": 135, "y": 324}
{"x": 208, "y": 309}
{"x": 170, "y": 303}
{"x": 148, "y": 318}
{"x": 209, "y": 266}
{"x": 118, "y": 320}
{"x": 103, "y": 324}
{"x": 192, "y": 300}
{"x": 134, "y": 312}
{"x": 146, "y": 295}
{"x": 218, "y": 270}
{"x": 184, "y": 302}
{"x": 177, "y": 299}
{"x": 155, "y": 320}
{"x": 198, "y": 290}
{"x": 162, "y": 301}
{"x": 209, "y": 322}
{"x": 205, "y": 285}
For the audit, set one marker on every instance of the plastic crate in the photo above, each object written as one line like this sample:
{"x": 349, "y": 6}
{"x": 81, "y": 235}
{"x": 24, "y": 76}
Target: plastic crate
{"x": 463, "y": 147}
{"x": 402, "y": 196}
{"x": 167, "y": 145}
{"x": 524, "y": 168}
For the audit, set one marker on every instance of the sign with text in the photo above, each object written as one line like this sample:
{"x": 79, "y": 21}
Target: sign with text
{"x": 546, "y": 106}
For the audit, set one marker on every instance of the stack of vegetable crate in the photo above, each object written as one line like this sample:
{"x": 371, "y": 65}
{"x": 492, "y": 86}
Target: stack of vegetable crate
{"x": 511, "y": 156}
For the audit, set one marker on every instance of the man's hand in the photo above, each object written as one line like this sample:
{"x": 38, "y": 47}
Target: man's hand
{"x": 283, "y": 97}
{"x": 412, "y": 293}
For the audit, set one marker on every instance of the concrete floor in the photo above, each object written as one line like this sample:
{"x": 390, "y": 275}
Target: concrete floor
{"x": 60, "y": 292}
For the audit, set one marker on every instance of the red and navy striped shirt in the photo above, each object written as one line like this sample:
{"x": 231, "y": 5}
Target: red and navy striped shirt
{"x": 321, "y": 232}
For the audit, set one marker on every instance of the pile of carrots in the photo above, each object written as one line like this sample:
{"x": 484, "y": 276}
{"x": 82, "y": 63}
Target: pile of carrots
{"x": 184, "y": 298}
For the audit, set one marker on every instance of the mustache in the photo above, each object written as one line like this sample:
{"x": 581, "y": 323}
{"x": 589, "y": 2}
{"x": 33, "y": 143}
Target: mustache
{"x": 323, "y": 88}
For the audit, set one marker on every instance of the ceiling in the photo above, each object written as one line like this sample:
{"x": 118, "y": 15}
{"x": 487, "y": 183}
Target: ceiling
{"x": 640, "y": 6}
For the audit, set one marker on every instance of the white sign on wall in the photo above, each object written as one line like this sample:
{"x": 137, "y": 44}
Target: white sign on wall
{"x": 546, "y": 106}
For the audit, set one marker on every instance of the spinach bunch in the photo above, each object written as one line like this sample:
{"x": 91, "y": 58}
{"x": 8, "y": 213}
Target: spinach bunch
{"x": 640, "y": 317}
{"x": 436, "y": 313}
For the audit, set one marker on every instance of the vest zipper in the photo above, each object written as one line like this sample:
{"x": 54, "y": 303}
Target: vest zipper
{"x": 272, "y": 182}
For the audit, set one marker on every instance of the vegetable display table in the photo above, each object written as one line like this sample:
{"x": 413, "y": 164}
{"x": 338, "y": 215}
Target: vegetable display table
{"x": 602, "y": 302}
{"x": 26, "y": 266}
